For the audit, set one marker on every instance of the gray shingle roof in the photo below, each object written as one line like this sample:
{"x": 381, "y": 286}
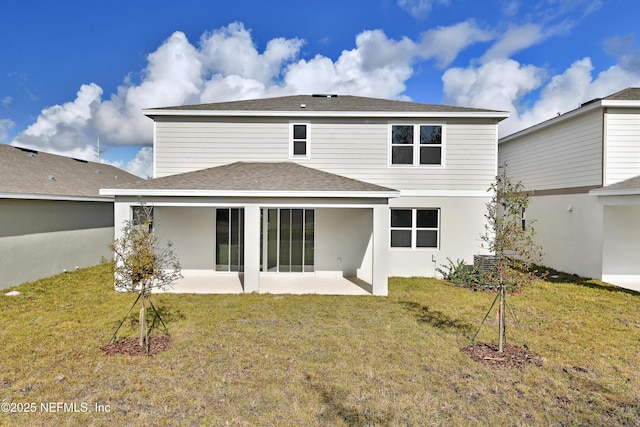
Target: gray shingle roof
{"x": 255, "y": 176}
{"x": 24, "y": 172}
{"x": 628, "y": 186}
{"x": 628, "y": 94}
{"x": 324, "y": 103}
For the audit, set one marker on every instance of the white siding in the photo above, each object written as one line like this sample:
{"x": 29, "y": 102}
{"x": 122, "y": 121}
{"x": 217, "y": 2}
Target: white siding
{"x": 565, "y": 155}
{"x": 354, "y": 148}
{"x": 622, "y": 145}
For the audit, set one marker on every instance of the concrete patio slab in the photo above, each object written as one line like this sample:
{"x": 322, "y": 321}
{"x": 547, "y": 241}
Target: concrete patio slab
{"x": 209, "y": 282}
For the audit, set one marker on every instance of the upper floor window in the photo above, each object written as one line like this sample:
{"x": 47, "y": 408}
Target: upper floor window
{"x": 414, "y": 145}
{"x": 299, "y": 140}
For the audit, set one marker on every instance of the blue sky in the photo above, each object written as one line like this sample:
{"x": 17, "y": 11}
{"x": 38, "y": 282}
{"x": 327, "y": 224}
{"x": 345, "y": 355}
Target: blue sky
{"x": 74, "y": 71}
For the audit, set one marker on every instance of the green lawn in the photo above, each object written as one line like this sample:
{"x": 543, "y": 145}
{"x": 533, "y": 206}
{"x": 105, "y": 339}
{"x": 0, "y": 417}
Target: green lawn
{"x": 320, "y": 360}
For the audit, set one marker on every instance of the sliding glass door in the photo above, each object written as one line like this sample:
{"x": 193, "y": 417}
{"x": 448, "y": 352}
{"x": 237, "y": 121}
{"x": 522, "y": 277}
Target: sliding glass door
{"x": 229, "y": 239}
{"x": 290, "y": 240}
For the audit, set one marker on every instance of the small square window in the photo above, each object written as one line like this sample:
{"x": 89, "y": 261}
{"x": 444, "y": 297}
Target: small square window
{"x": 299, "y": 131}
{"x": 401, "y": 218}
{"x": 299, "y": 148}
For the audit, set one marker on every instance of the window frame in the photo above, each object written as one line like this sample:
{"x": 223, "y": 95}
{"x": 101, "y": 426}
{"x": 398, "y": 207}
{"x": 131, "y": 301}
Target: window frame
{"x": 136, "y": 210}
{"x": 415, "y": 146}
{"x": 414, "y": 229}
{"x": 292, "y": 140}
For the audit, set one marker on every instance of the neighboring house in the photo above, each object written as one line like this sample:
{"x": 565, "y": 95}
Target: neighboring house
{"x": 52, "y": 217}
{"x": 324, "y": 185}
{"x": 582, "y": 170}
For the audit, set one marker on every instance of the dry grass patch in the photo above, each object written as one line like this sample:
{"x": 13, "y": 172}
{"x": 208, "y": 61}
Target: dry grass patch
{"x": 322, "y": 360}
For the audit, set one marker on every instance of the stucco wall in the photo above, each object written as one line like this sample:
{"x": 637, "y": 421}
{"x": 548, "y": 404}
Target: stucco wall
{"x": 569, "y": 228}
{"x": 41, "y": 238}
{"x": 461, "y": 224}
{"x": 343, "y": 242}
{"x": 192, "y": 232}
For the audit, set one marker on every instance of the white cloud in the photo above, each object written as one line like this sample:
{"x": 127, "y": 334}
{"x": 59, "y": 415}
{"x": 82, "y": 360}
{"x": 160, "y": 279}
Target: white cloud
{"x": 5, "y": 126}
{"x": 141, "y": 165}
{"x": 502, "y": 85}
{"x": 419, "y": 8}
{"x": 514, "y": 40}
{"x": 63, "y": 128}
{"x": 226, "y": 65}
{"x": 445, "y": 43}
{"x": 6, "y": 101}
{"x": 231, "y": 51}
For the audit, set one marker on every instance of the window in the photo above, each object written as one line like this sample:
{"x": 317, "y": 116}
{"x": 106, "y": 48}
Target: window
{"x": 415, "y": 228}
{"x": 414, "y": 145}
{"x": 299, "y": 140}
{"x": 142, "y": 214}
{"x": 229, "y": 239}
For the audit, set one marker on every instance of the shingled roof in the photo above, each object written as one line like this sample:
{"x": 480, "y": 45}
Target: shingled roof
{"x": 323, "y": 103}
{"x": 25, "y": 173}
{"x": 254, "y": 177}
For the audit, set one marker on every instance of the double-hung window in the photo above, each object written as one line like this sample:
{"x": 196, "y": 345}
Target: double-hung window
{"x": 416, "y": 145}
{"x": 299, "y": 140}
{"x": 415, "y": 228}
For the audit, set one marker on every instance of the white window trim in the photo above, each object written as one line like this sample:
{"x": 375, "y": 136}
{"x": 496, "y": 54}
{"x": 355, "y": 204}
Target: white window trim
{"x": 308, "y": 147}
{"x": 414, "y": 229}
{"x": 416, "y": 145}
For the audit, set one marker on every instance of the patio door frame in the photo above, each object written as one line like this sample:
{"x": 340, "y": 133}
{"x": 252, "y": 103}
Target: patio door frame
{"x": 280, "y": 251}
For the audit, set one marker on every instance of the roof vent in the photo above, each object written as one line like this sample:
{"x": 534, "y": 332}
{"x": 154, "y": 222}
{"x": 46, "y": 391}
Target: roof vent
{"x": 303, "y": 105}
{"x": 52, "y": 178}
{"x": 590, "y": 102}
{"x": 98, "y": 171}
{"x": 31, "y": 153}
{"x": 324, "y": 95}
{"x": 80, "y": 160}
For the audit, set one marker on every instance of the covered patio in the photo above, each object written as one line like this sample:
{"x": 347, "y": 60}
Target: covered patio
{"x": 210, "y": 282}
{"x": 269, "y": 228}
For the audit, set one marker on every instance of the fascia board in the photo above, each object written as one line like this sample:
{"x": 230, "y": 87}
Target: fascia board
{"x": 249, "y": 193}
{"x": 29, "y": 196}
{"x": 340, "y": 114}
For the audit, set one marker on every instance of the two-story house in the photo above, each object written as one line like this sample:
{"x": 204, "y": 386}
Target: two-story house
{"x": 582, "y": 170}
{"x": 318, "y": 185}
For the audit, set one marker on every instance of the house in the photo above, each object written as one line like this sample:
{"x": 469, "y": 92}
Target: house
{"x": 582, "y": 170}
{"x": 317, "y": 186}
{"x": 52, "y": 217}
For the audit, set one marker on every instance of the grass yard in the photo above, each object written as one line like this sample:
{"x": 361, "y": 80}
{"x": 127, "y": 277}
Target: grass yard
{"x": 319, "y": 360}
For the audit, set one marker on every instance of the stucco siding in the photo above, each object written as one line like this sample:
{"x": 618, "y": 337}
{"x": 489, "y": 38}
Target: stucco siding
{"x": 567, "y": 154}
{"x": 192, "y": 233}
{"x": 41, "y": 238}
{"x": 356, "y": 148}
{"x": 461, "y": 225}
{"x": 343, "y": 241}
{"x": 622, "y": 145}
{"x": 570, "y": 230}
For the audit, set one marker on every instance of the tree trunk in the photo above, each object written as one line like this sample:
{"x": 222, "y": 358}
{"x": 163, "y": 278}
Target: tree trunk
{"x": 501, "y": 324}
{"x": 143, "y": 327}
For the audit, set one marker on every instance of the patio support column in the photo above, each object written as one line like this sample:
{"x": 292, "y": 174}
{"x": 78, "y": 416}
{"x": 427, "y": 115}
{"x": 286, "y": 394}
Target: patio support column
{"x": 380, "y": 272}
{"x": 252, "y": 248}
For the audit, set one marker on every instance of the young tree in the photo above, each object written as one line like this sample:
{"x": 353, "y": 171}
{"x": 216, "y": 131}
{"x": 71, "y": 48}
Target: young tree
{"x": 507, "y": 237}
{"x": 142, "y": 264}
